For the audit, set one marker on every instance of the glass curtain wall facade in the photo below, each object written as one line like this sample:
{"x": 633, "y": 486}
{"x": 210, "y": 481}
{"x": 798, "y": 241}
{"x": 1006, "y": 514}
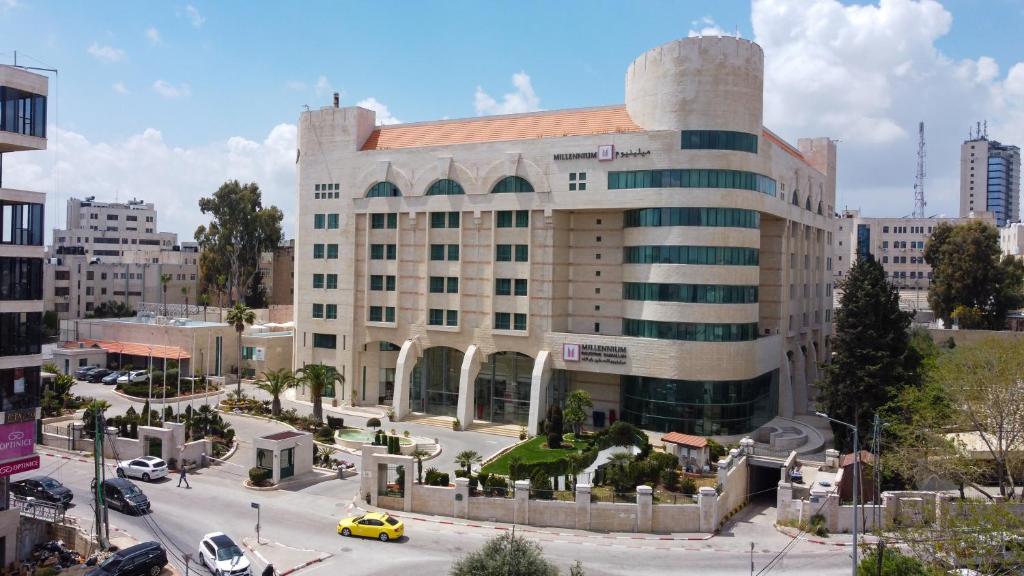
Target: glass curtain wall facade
{"x": 434, "y": 382}
{"x": 503, "y": 388}
{"x": 702, "y": 408}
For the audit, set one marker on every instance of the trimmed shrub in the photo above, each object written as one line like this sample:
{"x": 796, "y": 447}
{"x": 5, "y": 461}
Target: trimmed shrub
{"x": 460, "y": 473}
{"x": 259, "y": 476}
{"x": 622, "y": 433}
{"x": 430, "y": 476}
{"x": 554, "y": 440}
{"x": 540, "y": 481}
{"x": 670, "y": 479}
{"x": 335, "y": 423}
{"x": 716, "y": 450}
{"x": 818, "y": 526}
{"x": 443, "y": 479}
{"x": 373, "y": 423}
{"x": 664, "y": 460}
{"x": 325, "y": 434}
{"x": 482, "y": 477}
{"x": 133, "y": 429}
{"x": 688, "y": 486}
{"x": 516, "y": 469}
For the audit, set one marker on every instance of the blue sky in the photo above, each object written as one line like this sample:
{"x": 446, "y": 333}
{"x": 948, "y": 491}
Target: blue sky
{"x": 173, "y": 81}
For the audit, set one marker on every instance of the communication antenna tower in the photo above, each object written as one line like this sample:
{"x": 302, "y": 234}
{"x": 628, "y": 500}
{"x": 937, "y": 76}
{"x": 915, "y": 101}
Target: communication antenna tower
{"x": 919, "y": 202}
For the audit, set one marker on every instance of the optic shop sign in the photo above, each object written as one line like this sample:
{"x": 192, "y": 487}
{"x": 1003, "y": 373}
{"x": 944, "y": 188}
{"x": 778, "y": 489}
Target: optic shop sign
{"x": 597, "y": 353}
{"x": 605, "y": 153}
{"x": 19, "y": 466}
{"x": 17, "y": 440}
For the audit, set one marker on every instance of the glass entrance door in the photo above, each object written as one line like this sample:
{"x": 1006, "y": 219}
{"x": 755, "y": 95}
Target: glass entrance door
{"x": 503, "y": 388}
{"x": 287, "y": 463}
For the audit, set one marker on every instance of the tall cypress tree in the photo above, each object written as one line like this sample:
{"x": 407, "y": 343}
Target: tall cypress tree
{"x": 872, "y": 360}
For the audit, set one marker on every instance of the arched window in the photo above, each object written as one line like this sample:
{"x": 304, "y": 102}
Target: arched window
{"x": 383, "y": 190}
{"x": 807, "y": 202}
{"x": 445, "y": 187}
{"x": 796, "y": 197}
{"x": 512, "y": 184}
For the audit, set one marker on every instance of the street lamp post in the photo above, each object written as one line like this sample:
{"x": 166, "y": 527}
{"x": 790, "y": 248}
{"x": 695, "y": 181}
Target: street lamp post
{"x": 856, "y": 480}
{"x": 149, "y": 377}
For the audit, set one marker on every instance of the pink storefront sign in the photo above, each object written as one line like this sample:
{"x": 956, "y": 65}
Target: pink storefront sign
{"x": 19, "y": 466}
{"x": 17, "y": 440}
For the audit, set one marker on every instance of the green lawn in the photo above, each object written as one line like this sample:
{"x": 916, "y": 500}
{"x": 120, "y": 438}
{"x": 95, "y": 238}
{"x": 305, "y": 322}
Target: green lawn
{"x": 531, "y": 451}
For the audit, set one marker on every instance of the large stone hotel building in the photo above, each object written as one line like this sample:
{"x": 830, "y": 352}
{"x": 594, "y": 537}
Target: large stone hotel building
{"x": 670, "y": 256}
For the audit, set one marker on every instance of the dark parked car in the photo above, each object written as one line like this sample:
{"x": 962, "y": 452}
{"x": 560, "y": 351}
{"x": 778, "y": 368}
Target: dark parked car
{"x": 111, "y": 378}
{"x": 124, "y": 496}
{"x": 42, "y": 488}
{"x": 146, "y": 559}
{"x": 97, "y": 375}
{"x": 82, "y": 372}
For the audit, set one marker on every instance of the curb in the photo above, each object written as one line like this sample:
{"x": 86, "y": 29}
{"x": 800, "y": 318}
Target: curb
{"x": 65, "y": 455}
{"x": 320, "y": 558}
{"x": 782, "y": 530}
{"x": 161, "y": 401}
{"x": 588, "y": 535}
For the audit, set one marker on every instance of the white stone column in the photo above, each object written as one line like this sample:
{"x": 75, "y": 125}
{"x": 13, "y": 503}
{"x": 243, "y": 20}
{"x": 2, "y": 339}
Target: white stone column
{"x": 368, "y": 472}
{"x": 785, "y": 389}
{"x": 410, "y": 479}
{"x": 783, "y": 506}
{"x": 467, "y": 386}
{"x": 538, "y": 386}
{"x": 407, "y": 358}
{"x": 461, "y": 504}
{"x": 522, "y": 510}
{"x": 799, "y": 382}
{"x": 644, "y": 508}
{"x": 707, "y": 500}
{"x": 583, "y": 506}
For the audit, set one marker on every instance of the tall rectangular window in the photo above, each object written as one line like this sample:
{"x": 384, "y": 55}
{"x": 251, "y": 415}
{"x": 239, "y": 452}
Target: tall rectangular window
{"x": 318, "y": 251}
{"x": 392, "y": 251}
{"x": 392, "y": 221}
{"x": 318, "y": 310}
{"x": 376, "y": 251}
{"x": 453, "y": 285}
{"x": 436, "y": 284}
{"x": 522, "y": 253}
{"x": 452, "y": 318}
{"x": 453, "y": 252}
{"x": 502, "y": 321}
{"x": 389, "y": 283}
{"x": 318, "y": 221}
{"x": 521, "y": 287}
{"x": 389, "y": 313}
{"x": 332, "y": 251}
{"x": 435, "y": 317}
{"x": 503, "y": 252}
{"x": 453, "y": 219}
{"x": 332, "y": 281}
{"x": 437, "y": 251}
{"x": 318, "y": 280}
{"x": 522, "y": 218}
{"x": 331, "y": 312}
{"x": 504, "y": 219}
{"x": 502, "y": 286}
{"x": 333, "y": 221}
{"x": 520, "y": 322}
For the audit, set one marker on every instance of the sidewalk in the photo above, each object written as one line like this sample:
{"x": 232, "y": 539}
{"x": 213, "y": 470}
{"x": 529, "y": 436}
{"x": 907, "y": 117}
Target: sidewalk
{"x": 285, "y": 559}
{"x": 830, "y": 540}
{"x": 348, "y": 410}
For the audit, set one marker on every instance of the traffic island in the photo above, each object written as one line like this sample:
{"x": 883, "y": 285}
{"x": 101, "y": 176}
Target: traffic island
{"x": 285, "y": 559}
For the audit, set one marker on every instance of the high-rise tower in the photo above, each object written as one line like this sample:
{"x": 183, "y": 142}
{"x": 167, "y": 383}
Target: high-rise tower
{"x": 989, "y": 178}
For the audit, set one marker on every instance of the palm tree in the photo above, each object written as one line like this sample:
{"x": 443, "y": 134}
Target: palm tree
{"x": 419, "y": 454}
{"x": 318, "y": 377}
{"x": 165, "y": 279}
{"x": 184, "y": 292}
{"x": 275, "y": 383}
{"x": 240, "y": 315}
{"x": 467, "y": 458}
{"x": 204, "y": 300}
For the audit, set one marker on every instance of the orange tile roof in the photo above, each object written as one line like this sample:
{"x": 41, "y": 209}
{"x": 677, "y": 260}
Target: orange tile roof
{"x": 557, "y": 123}
{"x": 135, "y": 349}
{"x": 685, "y": 439}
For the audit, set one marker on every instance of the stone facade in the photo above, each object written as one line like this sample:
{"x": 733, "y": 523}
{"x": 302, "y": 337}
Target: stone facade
{"x": 490, "y": 306}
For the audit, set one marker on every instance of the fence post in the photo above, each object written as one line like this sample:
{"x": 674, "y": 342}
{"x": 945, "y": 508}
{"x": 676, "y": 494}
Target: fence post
{"x": 707, "y": 499}
{"x": 522, "y": 510}
{"x": 461, "y": 507}
{"x": 583, "y": 506}
{"x": 644, "y": 508}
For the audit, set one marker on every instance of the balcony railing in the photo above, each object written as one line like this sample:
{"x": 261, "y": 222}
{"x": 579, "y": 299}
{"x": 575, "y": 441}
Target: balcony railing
{"x": 38, "y": 509}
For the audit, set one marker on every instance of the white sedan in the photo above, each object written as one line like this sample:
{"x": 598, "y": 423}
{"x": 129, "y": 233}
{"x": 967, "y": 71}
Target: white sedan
{"x": 134, "y": 376}
{"x": 148, "y": 468}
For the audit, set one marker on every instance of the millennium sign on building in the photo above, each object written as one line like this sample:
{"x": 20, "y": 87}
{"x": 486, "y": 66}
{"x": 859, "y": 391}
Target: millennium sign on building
{"x": 671, "y": 256}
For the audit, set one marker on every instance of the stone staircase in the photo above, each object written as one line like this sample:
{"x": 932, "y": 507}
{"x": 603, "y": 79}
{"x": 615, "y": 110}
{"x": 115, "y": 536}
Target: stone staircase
{"x": 428, "y": 420}
{"x": 509, "y": 430}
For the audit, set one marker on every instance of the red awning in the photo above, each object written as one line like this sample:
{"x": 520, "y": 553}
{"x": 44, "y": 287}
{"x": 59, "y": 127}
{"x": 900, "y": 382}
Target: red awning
{"x": 134, "y": 349}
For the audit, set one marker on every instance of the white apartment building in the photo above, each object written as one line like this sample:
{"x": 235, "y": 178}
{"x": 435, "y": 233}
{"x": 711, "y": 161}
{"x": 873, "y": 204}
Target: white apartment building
{"x": 22, "y": 128}
{"x": 670, "y": 255}
{"x": 112, "y": 251}
{"x": 897, "y": 243}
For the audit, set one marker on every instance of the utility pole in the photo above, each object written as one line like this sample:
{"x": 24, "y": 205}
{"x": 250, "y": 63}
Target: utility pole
{"x": 876, "y": 437}
{"x": 856, "y": 479}
{"x": 751, "y": 559}
{"x": 188, "y": 559}
{"x": 102, "y": 527}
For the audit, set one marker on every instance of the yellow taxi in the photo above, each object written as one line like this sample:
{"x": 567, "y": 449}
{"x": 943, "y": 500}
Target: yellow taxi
{"x": 377, "y": 525}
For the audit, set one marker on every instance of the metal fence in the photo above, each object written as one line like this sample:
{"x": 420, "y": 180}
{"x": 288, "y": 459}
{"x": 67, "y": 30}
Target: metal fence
{"x": 494, "y": 492}
{"x": 38, "y": 509}
{"x": 764, "y": 450}
{"x": 674, "y": 498}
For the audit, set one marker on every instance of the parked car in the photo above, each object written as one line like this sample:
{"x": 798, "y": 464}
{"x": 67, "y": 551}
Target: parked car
{"x": 148, "y": 468}
{"x": 221, "y": 556}
{"x": 97, "y": 375}
{"x": 146, "y": 559}
{"x": 377, "y": 525}
{"x": 81, "y": 372}
{"x": 113, "y": 376}
{"x": 124, "y": 496}
{"x": 42, "y": 488}
{"x": 134, "y": 376}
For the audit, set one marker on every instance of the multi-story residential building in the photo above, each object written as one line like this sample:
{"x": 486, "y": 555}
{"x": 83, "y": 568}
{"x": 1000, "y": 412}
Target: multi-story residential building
{"x": 897, "y": 243}
{"x": 1011, "y": 240}
{"x": 669, "y": 256}
{"x": 277, "y": 269}
{"x": 112, "y": 251}
{"x": 990, "y": 179}
{"x": 22, "y": 128}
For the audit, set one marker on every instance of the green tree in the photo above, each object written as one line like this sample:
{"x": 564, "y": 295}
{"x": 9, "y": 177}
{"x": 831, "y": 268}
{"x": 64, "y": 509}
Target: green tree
{"x": 507, "y": 555}
{"x": 185, "y": 294}
{"x": 51, "y": 323}
{"x": 240, "y": 315}
{"x": 112, "y": 309}
{"x": 275, "y": 383}
{"x": 318, "y": 377}
{"x": 204, "y": 301}
{"x": 872, "y": 361}
{"x": 575, "y": 414}
{"x": 165, "y": 279}
{"x": 894, "y": 563}
{"x": 240, "y": 231}
{"x": 419, "y": 455}
{"x": 972, "y": 282}
{"x": 94, "y": 408}
{"x": 467, "y": 458}
{"x": 256, "y": 292}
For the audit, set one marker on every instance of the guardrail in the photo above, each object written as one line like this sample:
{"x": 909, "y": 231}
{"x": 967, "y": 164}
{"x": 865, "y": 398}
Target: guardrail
{"x": 38, "y": 509}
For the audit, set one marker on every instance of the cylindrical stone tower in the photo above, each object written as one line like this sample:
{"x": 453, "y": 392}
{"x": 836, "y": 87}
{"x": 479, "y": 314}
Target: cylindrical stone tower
{"x": 712, "y": 83}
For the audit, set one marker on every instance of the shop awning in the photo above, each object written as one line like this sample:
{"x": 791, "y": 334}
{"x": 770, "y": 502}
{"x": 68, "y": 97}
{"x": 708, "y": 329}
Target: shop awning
{"x": 136, "y": 349}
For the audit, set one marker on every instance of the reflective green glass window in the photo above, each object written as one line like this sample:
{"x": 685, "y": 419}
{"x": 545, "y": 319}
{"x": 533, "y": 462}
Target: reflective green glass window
{"x": 502, "y": 321}
{"x": 437, "y": 251}
{"x": 318, "y": 280}
{"x": 376, "y": 282}
{"x": 512, "y": 184}
{"x": 445, "y": 187}
{"x": 522, "y": 218}
{"x": 383, "y": 190}
{"x": 503, "y": 252}
{"x": 332, "y": 281}
{"x": 376, "y": 314}
{"x": 332, "y": 221}
{"x": 519, "y": 322}
{"x": 437, "y": 219}
{"x": 453, "y": 285}
{"x": 504, "y": 219}
{"x": 318, "y": 251}
{"x": 389, "y": 283}
{"x": 521, "y": 286}
{"x": 389, "y": 313}
{"x": 502, "y": 286}
{"x": 318, "y": 310}
{"x": 377, "y": 221}
{"x": 436, "y": 284}
{"x": 522, "y": 253}
{"x": 392, "y": 250}
{"x": 318, "y": 221}
{"x": 435, "y": 317}
{"x": 452, "y": 318}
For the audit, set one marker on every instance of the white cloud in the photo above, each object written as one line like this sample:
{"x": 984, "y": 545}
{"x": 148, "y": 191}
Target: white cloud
{"x": 147, "y": 167}
{"x": 866, "y": 74}
{"x": 706, "y": 26}
{"x": 120, "y": 88}
{"x": 194, "y": 16}
{"x": 153, "y": 35}
{"x": 168, "y": 90}
{"x": 8, "y": 4}
{"x": 384, "y": 116}
{"x": 107, "y": 53}
{"x": 524, "y": 99}
{"x": 322, "y": 86}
